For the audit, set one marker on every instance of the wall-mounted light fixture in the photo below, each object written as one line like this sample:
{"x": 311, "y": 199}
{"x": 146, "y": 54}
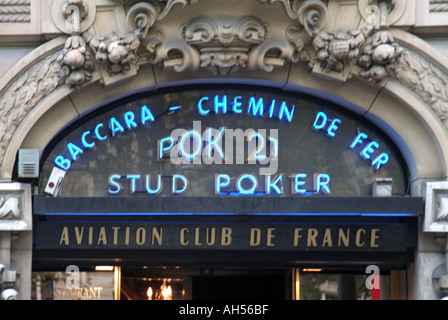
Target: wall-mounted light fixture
{"x": 28, "y": 163}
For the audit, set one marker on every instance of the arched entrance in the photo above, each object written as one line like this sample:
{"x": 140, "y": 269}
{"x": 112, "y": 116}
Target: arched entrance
{"x": 169, "y": 178}
{"x": 390, "y": 94}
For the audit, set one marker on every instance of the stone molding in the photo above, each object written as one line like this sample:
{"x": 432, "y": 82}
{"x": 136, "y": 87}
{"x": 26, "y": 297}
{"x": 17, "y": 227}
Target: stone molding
{"x": 438, "y": 6}
{"x": 73, "y": 16}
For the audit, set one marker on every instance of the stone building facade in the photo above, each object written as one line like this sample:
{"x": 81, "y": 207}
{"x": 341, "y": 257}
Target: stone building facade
{"x": 384, "y": 59}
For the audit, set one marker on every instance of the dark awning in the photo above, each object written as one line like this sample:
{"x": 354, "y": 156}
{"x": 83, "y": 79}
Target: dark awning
{"x": 338, "y": 232}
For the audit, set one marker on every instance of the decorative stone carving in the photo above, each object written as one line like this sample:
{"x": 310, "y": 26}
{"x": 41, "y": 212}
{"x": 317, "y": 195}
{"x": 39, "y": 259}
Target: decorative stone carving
{"x": 17, "y": 11}
{"x": 436, "y": 207}
{"x": 169, "y": 4}
{"x": 141, "y": 17}
{"x": 383, "y": 58}
{"x": 224, "y": 46}
{"x": 164, "y": 6}
{"x": 379, "y": 58}
{"x": 116, "y": 54}
{"x": 15, "y": 206}
{"x": 74, "y": 12}
{"x": 73, "y": 16}
{"x": 381, "y": 13}
{"x": 177, "y": 55}
{"x": 310, "y": 13}
{"x": 76, "y": 63}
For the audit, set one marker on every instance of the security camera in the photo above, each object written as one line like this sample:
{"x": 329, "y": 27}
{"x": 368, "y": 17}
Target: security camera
{"x": 10, "y": 294}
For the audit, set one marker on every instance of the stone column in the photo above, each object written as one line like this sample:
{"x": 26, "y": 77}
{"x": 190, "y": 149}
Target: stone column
{"x": 15, "y": 241}
{"x": 432, "y": 258}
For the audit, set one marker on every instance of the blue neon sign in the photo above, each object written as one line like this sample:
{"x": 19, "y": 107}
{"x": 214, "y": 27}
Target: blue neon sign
{"x": 256, "y": 107}
{"x": 134, "y": 147}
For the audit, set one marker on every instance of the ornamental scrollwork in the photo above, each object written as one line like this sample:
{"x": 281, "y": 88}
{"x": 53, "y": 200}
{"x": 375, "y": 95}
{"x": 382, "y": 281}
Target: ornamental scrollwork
{"x": 382, "y": 58}
{"x": 226, "y": 44}
{"x": 223, "y": 45}
{"x": 169, "y": 4}
{"x": 141, "y": 17}
{"x": 310, "y": 13}
{"x": 422, "y": 78}
{"x": 175, "y": 54}
{"x": 15, "y": 211}
{"x": 114, "y": 54}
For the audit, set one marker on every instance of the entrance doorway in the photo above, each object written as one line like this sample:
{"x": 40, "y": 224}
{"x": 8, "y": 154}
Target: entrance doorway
{"x": 240, "y": 287}
{"x": 241, "y": 284}
{"x": 204, "y": 284}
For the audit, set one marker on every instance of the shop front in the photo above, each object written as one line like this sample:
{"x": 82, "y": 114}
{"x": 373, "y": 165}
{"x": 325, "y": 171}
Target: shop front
{"x": 222, "y": 191}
